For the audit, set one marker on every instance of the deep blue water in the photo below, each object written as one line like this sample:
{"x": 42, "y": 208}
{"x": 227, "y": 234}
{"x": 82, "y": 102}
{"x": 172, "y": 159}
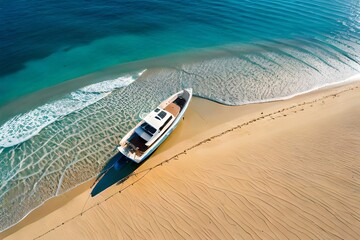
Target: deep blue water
{"x": 75, "y": 76}
{"x": 49, "y": 32}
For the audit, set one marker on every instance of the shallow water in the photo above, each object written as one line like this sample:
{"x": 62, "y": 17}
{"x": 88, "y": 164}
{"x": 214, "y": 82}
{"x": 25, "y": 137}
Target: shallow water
{"x": 235, "y": 52}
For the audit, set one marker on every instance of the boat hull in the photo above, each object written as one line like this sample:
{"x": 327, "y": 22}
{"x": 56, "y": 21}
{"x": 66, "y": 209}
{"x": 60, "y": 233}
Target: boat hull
{"x": 187, "y": 94}
{"x": 120, "y": 166}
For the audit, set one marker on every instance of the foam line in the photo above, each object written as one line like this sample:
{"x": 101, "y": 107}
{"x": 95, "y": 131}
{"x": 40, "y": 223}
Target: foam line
{"x": 24, "y": 126}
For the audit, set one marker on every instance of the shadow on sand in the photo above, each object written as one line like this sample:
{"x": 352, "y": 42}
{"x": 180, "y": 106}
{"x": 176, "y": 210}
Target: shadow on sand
{"x": 116, "y": 170}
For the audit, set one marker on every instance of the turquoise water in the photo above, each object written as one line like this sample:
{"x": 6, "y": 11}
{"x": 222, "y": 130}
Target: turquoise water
{"x": 44, "y": 44}
{"x": 76, "y": 76}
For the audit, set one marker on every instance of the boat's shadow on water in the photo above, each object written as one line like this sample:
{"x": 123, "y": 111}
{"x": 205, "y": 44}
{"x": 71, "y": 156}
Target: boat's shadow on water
{"x": 116, "y": 170}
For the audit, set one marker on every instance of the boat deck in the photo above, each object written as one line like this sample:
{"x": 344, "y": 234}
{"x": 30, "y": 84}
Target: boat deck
{"x": 137, "y": 145}
{"x": 173, "y": 109}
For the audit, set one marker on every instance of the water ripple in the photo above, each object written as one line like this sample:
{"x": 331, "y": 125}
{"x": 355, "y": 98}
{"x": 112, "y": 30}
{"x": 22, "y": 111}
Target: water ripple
{"x": 275, "y": 51}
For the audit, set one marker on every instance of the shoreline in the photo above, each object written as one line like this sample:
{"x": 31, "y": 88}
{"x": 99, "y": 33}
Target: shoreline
{"x": 34, "y": 99}
{"x": 47, "y": 207}
{"x": 185, "y": 138}
{"x": 349, "y": 80}
{"x": 354, "y": 78}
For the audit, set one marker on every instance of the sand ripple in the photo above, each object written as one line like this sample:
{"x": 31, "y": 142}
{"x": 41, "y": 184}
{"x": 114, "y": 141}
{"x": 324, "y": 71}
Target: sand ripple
{"x": 262, "y": 179}
{"x": 73, "y": 149}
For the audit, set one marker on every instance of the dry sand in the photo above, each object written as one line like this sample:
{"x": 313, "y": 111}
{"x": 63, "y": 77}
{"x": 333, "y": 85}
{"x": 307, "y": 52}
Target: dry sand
{"x": 281, "y": 170}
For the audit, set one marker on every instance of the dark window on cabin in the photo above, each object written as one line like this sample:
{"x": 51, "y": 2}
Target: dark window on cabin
{"x": 148, "y": 128}
{"x": 167, "y": 121}
{"x": 162, "y": 114}
{"x": 156, "y": 110}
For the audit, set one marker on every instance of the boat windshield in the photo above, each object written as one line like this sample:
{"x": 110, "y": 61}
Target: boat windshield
{"x": 148, "y": 128}
{"x": 162, "y": 114}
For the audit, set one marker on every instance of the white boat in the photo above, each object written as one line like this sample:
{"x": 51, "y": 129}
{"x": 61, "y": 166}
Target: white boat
{"x": 137, "y": 146}
{"x": 148, "y": 134}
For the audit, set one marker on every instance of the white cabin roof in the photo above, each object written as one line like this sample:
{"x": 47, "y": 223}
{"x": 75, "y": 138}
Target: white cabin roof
{"x": 157, "y": 117}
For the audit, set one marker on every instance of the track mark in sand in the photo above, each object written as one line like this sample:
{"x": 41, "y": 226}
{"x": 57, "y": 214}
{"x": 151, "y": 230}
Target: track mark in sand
{"x": 284, "y": 112}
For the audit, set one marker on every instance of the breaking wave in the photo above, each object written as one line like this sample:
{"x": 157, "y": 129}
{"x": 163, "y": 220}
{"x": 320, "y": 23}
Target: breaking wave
{"x": 24, "y": 126}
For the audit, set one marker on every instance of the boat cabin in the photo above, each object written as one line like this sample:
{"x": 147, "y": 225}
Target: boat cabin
{"x": 152, "y": 127}
{"x": 146, "y": 136}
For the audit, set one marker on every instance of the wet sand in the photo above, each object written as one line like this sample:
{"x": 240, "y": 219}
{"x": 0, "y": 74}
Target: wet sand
{"x": 286, "y": 169}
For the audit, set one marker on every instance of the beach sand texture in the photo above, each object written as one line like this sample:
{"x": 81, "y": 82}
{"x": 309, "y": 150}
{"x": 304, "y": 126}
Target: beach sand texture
{"x": 281, "y": 170}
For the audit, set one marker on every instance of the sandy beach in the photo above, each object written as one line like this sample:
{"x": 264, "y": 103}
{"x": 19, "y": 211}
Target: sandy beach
{"x": 281, "y": 170}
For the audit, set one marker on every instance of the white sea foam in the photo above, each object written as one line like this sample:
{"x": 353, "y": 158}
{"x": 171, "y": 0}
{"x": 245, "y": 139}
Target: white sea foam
{"x": 109, "y": 85}
{"x": 24, "y": 126}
